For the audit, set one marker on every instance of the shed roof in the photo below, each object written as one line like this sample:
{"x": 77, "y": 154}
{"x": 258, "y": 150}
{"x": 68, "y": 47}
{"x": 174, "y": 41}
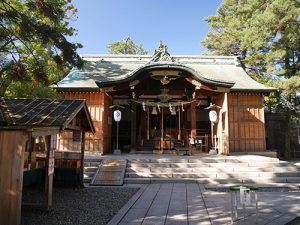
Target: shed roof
{"x": 36, "y": 113}
{"x": 103, "y": 69}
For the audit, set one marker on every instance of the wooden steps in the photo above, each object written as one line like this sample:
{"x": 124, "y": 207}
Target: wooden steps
{"x": 90, "y": 168}
{"x": 110, "y": 173}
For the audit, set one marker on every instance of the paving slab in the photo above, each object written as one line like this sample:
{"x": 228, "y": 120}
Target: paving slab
{"x": 193, "y": 204}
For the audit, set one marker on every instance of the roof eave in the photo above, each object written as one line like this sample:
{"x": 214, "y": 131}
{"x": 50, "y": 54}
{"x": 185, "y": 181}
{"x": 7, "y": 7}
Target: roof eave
{"x": 138, "y": 71}
{"x": 266, "y": 90}
{"x": 87, "y": 114}
{"x": 77, "y": 88}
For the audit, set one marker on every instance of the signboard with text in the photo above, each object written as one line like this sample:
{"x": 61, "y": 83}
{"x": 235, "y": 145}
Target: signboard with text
{"x": 245, "y": 197}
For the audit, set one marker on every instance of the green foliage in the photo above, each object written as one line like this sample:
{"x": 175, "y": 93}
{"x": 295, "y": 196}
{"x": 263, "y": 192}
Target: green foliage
{"x": 265, "y": 35}
{"x": 33, "y": 44}
{"x": 30, "y": 90}
{"x": 126, "y": 46}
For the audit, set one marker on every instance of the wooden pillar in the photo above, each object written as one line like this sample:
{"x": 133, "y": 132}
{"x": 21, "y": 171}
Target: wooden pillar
{"x": 162, "y": 129}
{"x": 133, "y": 127}
{"x": 143, "y": 124}
{"x": 12, "y": 147}
{"x": 148, "y": 124}
{"x": 193, "y": 120}
{"x": 179, "y": 125}
{"x": 82, "y": 158}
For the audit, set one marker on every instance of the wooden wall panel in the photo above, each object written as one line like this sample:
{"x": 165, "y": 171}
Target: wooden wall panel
{"x": 246, "y": 122}
{"x": 106, "y": 123}
{"x": 12, "y": 148}
{"x": 222, "y": 130}
{"x": 93, "y": 142}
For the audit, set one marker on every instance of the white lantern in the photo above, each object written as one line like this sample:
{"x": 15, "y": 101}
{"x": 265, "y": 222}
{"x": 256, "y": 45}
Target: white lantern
{"x": 213, "y": 116}
{"x": 117, "y": 115}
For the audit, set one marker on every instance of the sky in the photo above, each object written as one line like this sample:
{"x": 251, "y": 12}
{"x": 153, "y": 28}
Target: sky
{"x": 179, "y": 24}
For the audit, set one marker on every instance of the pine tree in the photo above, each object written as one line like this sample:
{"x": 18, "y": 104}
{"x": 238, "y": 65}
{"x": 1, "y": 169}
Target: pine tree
{"x": 127, "y": 47}
{"x": 266, "y": 37}
{"x": 33, "y": 44}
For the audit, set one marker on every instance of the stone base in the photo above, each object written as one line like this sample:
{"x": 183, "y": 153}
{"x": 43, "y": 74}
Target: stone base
{"x": 213, "y": 152}
{"x": 272, "y": 154}
{"x": 132, "y": 151}
{"x": 117, "y": 152}
{"x": 158, "y": 151}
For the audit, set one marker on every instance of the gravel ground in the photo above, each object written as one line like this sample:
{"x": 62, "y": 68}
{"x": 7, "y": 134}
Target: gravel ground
{"x": 76, "y": 206}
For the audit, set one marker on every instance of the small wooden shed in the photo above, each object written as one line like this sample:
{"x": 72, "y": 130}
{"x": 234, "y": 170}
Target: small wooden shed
{"x": 22, "y": 121}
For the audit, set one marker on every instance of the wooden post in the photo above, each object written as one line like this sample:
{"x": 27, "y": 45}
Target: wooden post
{"x": 133, "y": 127}
{"x": 49, "y": 172}
{"x": 193, "y": 120}
{"x": 212, "y": 134}
{"x": 82, "y": 158}
{"x": 148, "y": 124}
{"x": 143, "y": 124}
{"x": 12, "y": 147}
{"x": 162, "y": 129}
{"x": 179, "y": 126}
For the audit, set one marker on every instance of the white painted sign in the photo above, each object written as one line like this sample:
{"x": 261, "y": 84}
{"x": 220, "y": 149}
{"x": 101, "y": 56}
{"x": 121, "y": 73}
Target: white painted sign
{"x": 213, "y": 116}
{"x": 117, "y": 115}
{"x": 245, "y": 196}
{"x": 51, "y": 166}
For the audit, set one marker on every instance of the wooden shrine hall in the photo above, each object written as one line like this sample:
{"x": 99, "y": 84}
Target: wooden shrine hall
{"x": 165, "y": 102}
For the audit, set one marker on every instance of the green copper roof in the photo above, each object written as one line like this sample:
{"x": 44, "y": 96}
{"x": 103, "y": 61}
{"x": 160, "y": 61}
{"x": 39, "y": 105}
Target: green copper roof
{"x": 222, "y": 70}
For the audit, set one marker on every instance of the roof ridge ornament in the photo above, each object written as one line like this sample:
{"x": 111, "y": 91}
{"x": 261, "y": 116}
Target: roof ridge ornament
{"x": 162, "y": 54}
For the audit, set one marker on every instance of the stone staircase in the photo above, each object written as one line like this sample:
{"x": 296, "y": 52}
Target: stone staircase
{"x": 90, "y": 168}
{"x": 211, "y": 170}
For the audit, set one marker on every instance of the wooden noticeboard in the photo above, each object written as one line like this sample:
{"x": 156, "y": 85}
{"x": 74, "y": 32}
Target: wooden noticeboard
{"x": 51, "y": 155}
{"x": 76, "y": 136}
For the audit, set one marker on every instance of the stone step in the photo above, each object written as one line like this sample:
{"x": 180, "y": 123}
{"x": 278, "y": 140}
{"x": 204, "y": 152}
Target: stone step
{"x": 92, "y": 159}
{"x": 213, "y": 175}
{"x": 206, "y": 162}
{"x": 144, "y": 151}
{"x": 261, "y": 180}
{"x": 91, "y": 164}
{"x": 89, "y": 174}
{"x": 87, "y": 180}
{"x": 211, "y": 169}
{"x": 209, "y": 165}
{"x": 189, "y": 159}
{"x": 149, "y": 148}
{"x": 90, "y": 169}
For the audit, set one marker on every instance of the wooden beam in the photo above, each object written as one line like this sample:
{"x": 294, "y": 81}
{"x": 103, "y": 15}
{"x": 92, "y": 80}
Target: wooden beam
{"x": 73, "y": 127}
{"x": 45, "y": 131}
{"x": 209, "y": 87}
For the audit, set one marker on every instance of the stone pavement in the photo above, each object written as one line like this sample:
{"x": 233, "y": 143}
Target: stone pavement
{"x": 193, "y": 204}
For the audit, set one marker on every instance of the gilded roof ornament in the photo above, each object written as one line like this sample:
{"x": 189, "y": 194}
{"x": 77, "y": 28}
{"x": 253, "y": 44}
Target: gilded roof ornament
{"x": 162, "y": 54}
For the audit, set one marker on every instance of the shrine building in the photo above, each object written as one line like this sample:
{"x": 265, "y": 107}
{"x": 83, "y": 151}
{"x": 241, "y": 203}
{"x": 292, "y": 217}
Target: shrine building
{"x": 168, "y": 101}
